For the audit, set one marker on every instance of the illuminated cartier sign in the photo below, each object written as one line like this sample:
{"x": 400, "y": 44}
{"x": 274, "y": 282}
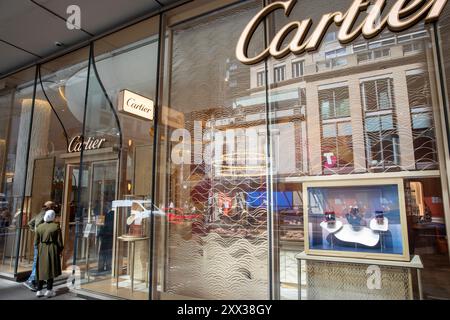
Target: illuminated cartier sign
{"x": 403, "y": 15}
{"x": 135, "y": 104}
{"x": 76, "y": 144}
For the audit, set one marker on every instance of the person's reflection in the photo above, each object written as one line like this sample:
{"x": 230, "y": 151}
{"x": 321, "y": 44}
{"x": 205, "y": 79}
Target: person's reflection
{"x": 105, "y": 236}
{"x": 70, "y": 234}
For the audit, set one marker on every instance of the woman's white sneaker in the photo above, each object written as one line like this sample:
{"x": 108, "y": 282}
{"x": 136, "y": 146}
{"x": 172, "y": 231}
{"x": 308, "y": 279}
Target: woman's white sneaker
{"x": 50, "y": 294}
{"x": 39, "y": 294}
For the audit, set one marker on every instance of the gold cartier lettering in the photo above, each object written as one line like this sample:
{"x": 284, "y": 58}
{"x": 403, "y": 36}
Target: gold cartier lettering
{"x": 277, "y": 41}
{"x": 345, "y": 34}
{"x": 399, "y": 11}
{"x": 318, "y": 34}
{"x": 371, "y": 27}
{"x": 246, "y": 36}
{"x": 403, "y": 15}
{"x": 298, "y": 43}
{"x": 76, "y": 144}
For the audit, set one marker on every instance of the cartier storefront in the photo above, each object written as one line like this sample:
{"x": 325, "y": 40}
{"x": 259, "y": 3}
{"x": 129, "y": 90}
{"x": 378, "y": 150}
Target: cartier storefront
{"x": 240, "y": 150}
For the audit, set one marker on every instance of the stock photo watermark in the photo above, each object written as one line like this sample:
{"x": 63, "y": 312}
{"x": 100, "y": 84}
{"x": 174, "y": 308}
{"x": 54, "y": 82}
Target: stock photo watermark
{"x": 374, "y": 279}
{"x": 73, "y": 21}
{"x": 73, "y": 282}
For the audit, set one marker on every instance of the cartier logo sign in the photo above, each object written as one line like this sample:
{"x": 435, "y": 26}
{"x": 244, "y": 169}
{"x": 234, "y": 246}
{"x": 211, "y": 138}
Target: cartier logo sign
{"x": 402, "y": 15}
{"x": 76, "y": 144}
{"x": 136, "y": 105}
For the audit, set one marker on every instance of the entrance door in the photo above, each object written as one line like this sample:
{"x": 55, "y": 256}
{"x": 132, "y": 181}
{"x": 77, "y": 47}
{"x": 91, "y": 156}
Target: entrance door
{"x": 94, "y": 196}
{"x": 74, "y": 189}
{"x": 99, "y": 241}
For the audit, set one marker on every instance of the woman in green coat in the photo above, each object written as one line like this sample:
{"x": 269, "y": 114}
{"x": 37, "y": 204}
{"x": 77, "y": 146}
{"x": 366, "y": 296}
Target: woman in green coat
{"x": 48, "y": 240}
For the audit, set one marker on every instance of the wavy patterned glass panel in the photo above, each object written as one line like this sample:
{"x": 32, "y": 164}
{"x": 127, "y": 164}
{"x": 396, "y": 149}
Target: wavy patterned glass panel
{"x": 215, "y": 195}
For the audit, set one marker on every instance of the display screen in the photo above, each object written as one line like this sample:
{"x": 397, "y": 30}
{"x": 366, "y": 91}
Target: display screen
{"x": 281, "y": 200}
{"x": 355, "y": 219}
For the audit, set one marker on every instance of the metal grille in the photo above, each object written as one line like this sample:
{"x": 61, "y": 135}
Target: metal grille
{"x": 329, "y": 280}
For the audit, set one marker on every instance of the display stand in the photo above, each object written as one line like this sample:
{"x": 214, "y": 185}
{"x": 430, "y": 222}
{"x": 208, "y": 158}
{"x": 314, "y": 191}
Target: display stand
{"x": 131, "y": 241}
{"x": 341, "y": 282}
{"x": 120, "y": 218}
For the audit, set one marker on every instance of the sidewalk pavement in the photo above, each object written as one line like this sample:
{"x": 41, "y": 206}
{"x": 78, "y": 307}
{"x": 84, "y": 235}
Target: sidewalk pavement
{"x": 11, "y": 290}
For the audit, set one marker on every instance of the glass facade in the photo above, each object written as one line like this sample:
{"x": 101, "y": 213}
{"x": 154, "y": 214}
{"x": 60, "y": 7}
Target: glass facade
{"x": 179, "y": 171}
{"x": 17, "y": 109}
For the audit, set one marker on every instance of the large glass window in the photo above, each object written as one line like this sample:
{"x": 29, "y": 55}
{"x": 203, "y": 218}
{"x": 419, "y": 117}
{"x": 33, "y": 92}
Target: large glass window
{"x": 57, "y": 128}
{"x": 16, "y": 111}
{"x": 123, "y": 76}
{"x": 376, "y": 116}
{"x": 231, "y": 198}
{"x": 212, "y": 166}
{"x": 89, "y": 149}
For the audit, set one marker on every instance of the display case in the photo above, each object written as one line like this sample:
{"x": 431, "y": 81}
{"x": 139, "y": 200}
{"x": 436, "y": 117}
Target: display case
{"x": 291, "y": 227}
{"x": 131, "y": 242}
{"x": 364, "y": 218}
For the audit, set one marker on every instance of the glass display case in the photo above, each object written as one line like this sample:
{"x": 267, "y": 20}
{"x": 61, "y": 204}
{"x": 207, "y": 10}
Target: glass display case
{"x": 364, "y": 219}
{"x": 291, "y": 225}
{"x": 289, "y": 210}
{"x": 131, "y": 241}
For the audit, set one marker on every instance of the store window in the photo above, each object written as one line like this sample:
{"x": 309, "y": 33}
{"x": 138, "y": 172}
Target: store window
{"x": 56, "y": 130}
{"x": 379, "y": 116}
{"x": 16, "y": 111}
{"x": 124, "y": 65}
{"x": 352, "y": 148}
{"x": 7, "y": 228}
{"x": 212, "y": 167}
{"x": 91, "y": 149}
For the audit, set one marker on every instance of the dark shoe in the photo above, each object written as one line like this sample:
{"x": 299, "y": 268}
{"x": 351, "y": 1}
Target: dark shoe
{"x": 30, "y": 286}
